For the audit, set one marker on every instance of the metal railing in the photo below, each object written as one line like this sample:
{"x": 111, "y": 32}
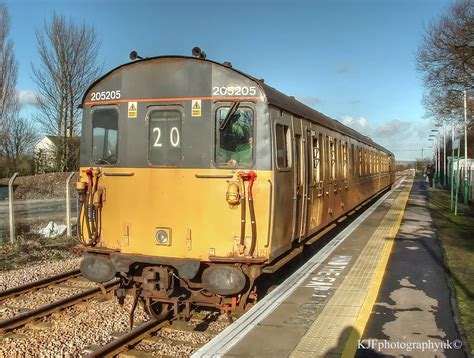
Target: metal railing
{"x": 23, "y": 211}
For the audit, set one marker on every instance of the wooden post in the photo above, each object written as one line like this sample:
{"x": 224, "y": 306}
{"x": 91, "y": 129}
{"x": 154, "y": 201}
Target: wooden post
{"x": 11, "y": 209}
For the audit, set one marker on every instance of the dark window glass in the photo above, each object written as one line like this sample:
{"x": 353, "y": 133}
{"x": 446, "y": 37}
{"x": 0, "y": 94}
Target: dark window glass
{"x": 332, "y": 159}
{"x": 353, "y": 164}
{"x": 316, "y": 159}
{"x": 234, "y": 137}
{"x": 344, "y": 159}
{"x": 282, "y": 146}
{"x": 298, "y": 158}
{"x": 104, "y": 136}
{"x": 164, "y": 137}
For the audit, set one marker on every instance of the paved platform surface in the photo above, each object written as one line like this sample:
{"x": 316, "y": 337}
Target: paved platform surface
{"x": 323, "y": 308}
{"x": 414, "y": 304}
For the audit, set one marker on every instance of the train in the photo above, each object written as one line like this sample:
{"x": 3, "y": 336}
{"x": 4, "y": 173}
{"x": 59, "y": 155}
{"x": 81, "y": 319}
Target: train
{"x": 196, "y": 179}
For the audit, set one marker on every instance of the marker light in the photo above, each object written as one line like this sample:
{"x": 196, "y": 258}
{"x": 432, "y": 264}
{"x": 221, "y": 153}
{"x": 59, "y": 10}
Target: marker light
{"x": 162, "y": 237}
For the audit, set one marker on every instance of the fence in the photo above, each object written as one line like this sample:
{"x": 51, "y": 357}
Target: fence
{"x": 459, "y": 177}
{"x": 53, "y": 200}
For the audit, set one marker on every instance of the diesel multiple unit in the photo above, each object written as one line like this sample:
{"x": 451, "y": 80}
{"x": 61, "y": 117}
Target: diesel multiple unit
{"x": 196, "y": 179}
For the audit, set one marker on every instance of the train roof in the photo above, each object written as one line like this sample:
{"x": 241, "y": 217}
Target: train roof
{"x": 273, "y": 97}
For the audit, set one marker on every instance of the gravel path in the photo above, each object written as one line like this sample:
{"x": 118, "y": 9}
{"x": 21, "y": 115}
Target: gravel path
{"x": 36, "y": 272}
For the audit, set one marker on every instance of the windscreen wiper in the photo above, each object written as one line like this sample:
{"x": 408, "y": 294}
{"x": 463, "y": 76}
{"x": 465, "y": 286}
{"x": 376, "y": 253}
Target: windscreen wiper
{"x": 227, "y": 118}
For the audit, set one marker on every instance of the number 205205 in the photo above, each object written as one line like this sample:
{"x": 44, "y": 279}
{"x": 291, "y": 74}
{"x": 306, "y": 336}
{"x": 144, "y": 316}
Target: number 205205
{"x": 105, "y": 95}
{"x": 234, "y": 91}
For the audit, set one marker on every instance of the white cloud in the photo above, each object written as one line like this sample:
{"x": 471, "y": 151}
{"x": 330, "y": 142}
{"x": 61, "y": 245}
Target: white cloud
{"x": 347, "y": 120}
{"x": 26, "y": 97}
{"x": 404, "y": 138}
{"x": 394, "y": 128}
{"x": 363, "y": 122}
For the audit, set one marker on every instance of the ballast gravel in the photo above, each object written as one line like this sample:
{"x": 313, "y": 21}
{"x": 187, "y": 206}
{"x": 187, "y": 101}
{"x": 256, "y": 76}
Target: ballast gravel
{"x": 13, "y": 278}
{"x": 72, "y": 332}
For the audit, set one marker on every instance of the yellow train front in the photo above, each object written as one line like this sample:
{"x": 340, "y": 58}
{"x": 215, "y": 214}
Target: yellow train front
{"x": 197, "y": 178}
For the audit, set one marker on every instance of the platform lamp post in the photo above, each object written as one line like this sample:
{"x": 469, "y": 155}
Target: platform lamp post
{"x": 452, "y": 164}
{"x": 445, "y": 171}
{"x": 466, "y": 179}
{"x": 435, "y": 156}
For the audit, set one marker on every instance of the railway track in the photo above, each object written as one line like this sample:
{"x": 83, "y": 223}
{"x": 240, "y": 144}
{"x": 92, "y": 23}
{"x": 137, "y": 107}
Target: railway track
{"x": 149, "y": 338}
{"x": 32, "y": 286}
{"x": 122, "y": 343}
{"x": 45, "y": 310}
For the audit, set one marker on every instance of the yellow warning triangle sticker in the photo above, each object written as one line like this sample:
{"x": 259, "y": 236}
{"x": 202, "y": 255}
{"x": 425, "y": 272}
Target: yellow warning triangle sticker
{"x": 132, "y": 107}
{"x": 196, "y": 105}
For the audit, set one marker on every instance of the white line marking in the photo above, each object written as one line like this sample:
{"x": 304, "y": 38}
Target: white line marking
{"x": 229, "y": 337}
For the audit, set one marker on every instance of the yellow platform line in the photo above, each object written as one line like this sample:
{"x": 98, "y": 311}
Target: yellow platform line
{"x": 359, "y": 325}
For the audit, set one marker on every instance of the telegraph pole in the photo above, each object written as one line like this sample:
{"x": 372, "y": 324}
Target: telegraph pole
{"x": 466, "y": 182}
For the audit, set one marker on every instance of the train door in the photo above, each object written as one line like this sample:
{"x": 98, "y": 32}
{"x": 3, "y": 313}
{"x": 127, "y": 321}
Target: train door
{"x": 298, "y": 174}
{"x": 306, "y": 180}
{"x": 316, "y": 184}
{"x": 344, "y": 181}
{"x": 282, "y": 182}
{"x": 332, "y": 172}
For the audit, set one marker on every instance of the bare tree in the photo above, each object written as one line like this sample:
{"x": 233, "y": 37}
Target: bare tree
{"x": 21, "y": 137}
{"x": 446, "y": 61}
{"x": 68, "y": 66}
{"x": 8, "y": 75}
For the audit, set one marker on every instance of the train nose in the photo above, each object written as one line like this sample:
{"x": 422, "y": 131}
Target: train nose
{"x": 97, "y": 268}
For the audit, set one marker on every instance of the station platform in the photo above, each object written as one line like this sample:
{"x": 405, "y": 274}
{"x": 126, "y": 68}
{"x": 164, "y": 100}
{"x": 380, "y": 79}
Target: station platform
{"x": 353, "y": 299}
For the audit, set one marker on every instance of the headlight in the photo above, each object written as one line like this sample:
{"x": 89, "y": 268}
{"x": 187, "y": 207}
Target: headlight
{"x": 162, "y": 237}
{"x": 223, "y": 280}
{"x": 97, "y": 268}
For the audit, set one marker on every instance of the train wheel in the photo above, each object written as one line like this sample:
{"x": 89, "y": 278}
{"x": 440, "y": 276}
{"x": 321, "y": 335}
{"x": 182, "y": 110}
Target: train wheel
{"x": 157, "y": 310}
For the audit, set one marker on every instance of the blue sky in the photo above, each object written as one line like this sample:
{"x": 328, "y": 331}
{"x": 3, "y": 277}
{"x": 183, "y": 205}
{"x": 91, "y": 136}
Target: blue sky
{"x": 351, "y": 60}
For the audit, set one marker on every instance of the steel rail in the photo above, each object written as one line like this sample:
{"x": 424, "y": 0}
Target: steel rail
{"x": 120, "y": 344}
{"x": 24, "y": 318}
{"x": 14, "y": 291}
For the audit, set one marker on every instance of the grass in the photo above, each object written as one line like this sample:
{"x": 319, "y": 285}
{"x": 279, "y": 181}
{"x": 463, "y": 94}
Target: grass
{"x": 32, "y": 248}
{"x": 457, "y": 235}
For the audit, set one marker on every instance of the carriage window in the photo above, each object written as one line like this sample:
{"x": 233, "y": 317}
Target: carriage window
{"x": 316, "y": 159}
{"x": 371, "y": 162}
{"x": 352, "y": 165}
{"x": 299, "y": 167}
{"x": 283, "y": 141}
{"x": 360, "y": 161}
{"x": 234, "y": 137}
{"x": 104, "y": 136}
{"x": 332, "y": 159}
{"x": 366, "y": 159}
{"x": 164, "y": 137}
{"x": 344, "y": 160}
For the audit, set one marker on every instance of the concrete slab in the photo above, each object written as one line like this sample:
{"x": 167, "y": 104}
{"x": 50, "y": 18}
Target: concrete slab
{"x": 261, "y": 343}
